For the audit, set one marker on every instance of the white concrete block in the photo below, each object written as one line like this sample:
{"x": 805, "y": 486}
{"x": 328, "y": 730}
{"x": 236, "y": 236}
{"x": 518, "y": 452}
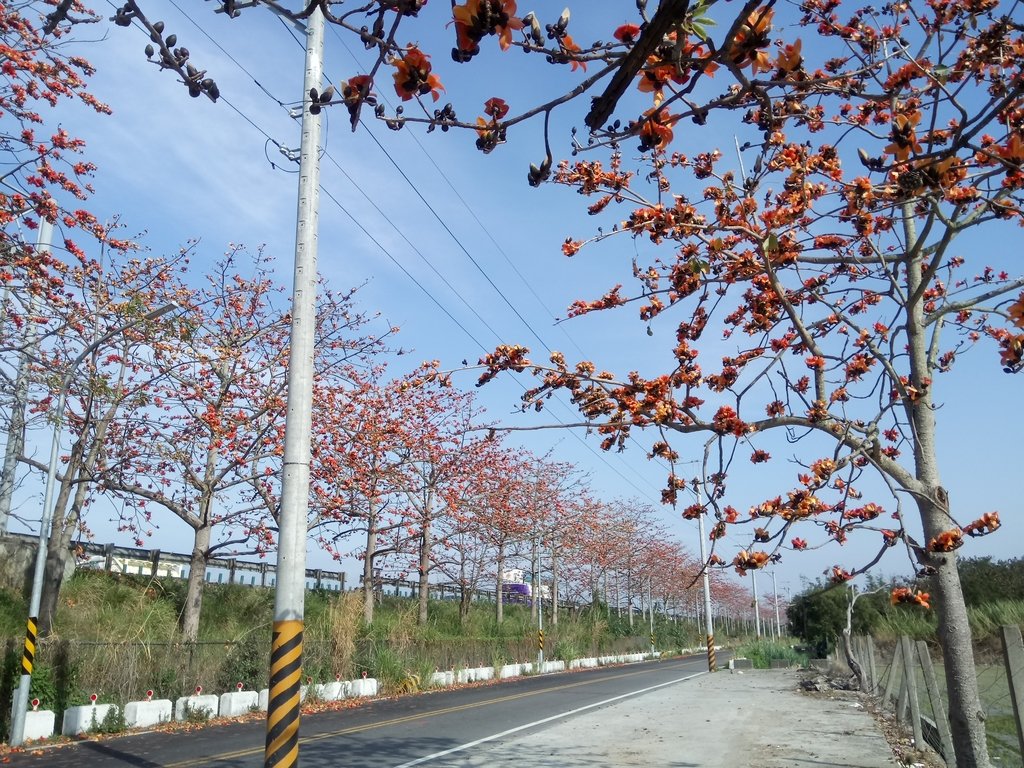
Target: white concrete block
{"x": 438, "y": 679}
{"x": 238, "y": 703}
{"x": 330, "y": 691}
{"x": 143, "y": 714}
{"x": 462, "y": 676}
{"x": 83, "y": 719}
{"x": 39, "y": 724}
{"x": 196, "y": 704}
{"x": 485, "y": 673}
{"x": 509, "y": 670}
{"x": 366, "y": 686}
{"x": 263, "y": 702}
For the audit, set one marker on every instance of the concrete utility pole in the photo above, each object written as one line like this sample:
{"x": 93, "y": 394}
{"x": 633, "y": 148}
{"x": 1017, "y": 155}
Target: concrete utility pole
{"x": 708, "y": 621}
{"x": 282, "y": 747}
{"x": 778, "y": 621}
{"x": 16, "y": 427}
{"x": 757, "y": 608}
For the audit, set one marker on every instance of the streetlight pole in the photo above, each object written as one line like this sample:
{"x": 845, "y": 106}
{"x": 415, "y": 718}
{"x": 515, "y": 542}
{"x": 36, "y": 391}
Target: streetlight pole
{"x": 21, "y": 697}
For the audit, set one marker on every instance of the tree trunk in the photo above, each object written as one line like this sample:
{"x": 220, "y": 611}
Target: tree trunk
{"x": 62, "y": 528}
{"x": 424, "y": 589}
{"x": 371, "y": 551}
{"x": 966, "y": 715}
{"x": 499, "y": 598}
{"x": 196, "y": 582}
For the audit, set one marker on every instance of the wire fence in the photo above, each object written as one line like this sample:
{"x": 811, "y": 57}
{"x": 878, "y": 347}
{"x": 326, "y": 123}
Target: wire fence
{"x": 912, "y": 681}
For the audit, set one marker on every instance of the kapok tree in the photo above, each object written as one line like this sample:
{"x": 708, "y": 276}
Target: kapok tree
{"x": 43, "y": 173}
{"x": 836, "y": 268}
{"x": 356, "y": 474}
{"x": 182, "y": 452}
{"x": 101, "y": 315}
{"x": 441, "y": 443}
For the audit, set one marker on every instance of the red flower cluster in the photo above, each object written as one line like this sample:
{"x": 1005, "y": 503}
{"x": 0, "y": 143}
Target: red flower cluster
{"x": 983, "y": 525}
{"x": 905, "y": 596}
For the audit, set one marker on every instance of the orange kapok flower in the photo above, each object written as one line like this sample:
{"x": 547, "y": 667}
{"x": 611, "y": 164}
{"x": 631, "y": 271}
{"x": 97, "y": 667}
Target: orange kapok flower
{"x": 413, "y": 76}
{"x": 655, "y": 129}
{"x": 790, "y": 59}
{"x": 479, "y": 18}
{"x": 905, "y": 596}
{"x": 947, "y": 541}
{"x": 752, "y": 38}
{"x": 1016, "y": 311}
{"x": 985, "y": 524}
{"x": 495, "y": 108}
{"x": 627, "y": 33}
{"x": 904, "y": 139}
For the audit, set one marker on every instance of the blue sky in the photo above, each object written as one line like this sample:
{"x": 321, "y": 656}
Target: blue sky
{"x": 176, "y": 168}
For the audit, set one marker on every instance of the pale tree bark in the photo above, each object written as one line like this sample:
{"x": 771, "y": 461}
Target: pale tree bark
{"x": 967, "y": 717}
{"x": 371, "y": 551}
{"x": 196, "y": 581}
{"x": 499, "y": 598}
{"x": 424, "y": 564}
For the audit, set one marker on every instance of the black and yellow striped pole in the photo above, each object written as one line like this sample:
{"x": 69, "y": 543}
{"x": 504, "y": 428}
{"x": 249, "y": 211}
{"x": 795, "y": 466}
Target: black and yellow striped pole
{"x": 540, "y": 643}
{"x": 283, "y": 712}
{"x": 284, "y": 700}
{"x": 712, "y": 660}
{"x": 29, "y": 655}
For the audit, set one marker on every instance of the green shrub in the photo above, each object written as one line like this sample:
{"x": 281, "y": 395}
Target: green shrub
{"x": 248, "y": 662}
{"x": 566, "y": 650}
{"x": 113, "y": 721}
{"x": 763, "y": 652}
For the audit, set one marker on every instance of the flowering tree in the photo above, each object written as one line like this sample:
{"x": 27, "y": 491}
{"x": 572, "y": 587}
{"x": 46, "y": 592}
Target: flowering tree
{"x": 440, "y": 456}
{"x": 206, "y": 445}
{"x": 356, "y": 472}
{"x": 838, "y": 255}
{"x": 100, "y": 315}
{"x": 43, "y": 175}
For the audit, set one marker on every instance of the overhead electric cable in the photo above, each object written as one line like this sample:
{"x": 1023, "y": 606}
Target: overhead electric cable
{"x": 391, "y": 257}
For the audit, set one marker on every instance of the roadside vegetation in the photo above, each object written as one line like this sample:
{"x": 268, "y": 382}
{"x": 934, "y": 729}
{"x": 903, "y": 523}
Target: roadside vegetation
{"x": 993, "y": 591}
{"x": 118, "y": 636}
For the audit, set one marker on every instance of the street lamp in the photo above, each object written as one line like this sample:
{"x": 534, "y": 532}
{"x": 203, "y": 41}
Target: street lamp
{"x": 21, "y": 698}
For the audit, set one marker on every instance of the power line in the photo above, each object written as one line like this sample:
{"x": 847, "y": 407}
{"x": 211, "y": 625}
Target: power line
{"x": 390, "y": 256}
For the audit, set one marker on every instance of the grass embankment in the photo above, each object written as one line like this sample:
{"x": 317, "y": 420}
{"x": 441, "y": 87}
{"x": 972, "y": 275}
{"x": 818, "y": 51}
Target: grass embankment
{"x": 117, "y": 636}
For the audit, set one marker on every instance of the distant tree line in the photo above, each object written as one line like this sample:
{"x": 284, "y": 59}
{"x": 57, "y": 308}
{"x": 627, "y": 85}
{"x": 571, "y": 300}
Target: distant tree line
{"x": 817, "y": 615}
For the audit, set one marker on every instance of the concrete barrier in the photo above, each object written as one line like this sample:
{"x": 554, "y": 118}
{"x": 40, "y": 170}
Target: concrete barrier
{"x": 366, "y": 686}
{"x": 198, "y": 703}
{"x": 741, "y": 663}
{"x": 510, "y": 670}
{"x": 143, "y": 714}
{"x": 39, "y": 724}
{"x": 238, "y": 703}
{"x": 441, "y": 679}
{"x": 84, "y": 719}
{"x": 336, "y": 691}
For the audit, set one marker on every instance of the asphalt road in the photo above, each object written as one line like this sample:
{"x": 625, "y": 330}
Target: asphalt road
{"x": 427, "y": 729}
